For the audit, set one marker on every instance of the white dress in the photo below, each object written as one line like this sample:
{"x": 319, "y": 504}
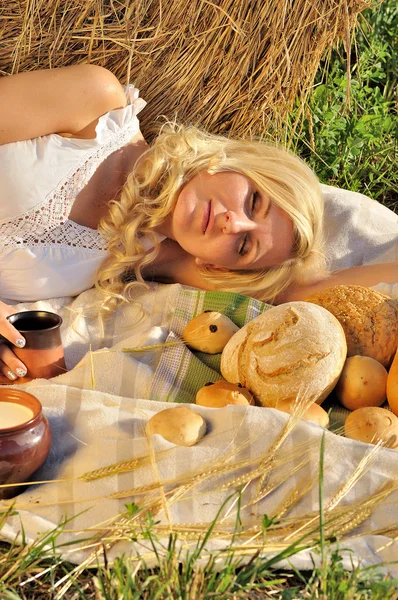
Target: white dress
{"x": 43, "y": 254}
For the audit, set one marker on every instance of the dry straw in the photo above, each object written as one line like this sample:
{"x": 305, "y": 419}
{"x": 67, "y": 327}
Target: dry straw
{"x": 228, "y": 65}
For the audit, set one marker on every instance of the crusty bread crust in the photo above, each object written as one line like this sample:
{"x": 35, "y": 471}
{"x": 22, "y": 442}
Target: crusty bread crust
{"x": 392, "y": 385}
{"x": 292, "y": 350}
{"x": 314, "y": 412}
{"x": 369, "y": 320}
{"x": 371, "y": 424}
{"x": 178, "y": 425}
{"x": 222, "y": 393}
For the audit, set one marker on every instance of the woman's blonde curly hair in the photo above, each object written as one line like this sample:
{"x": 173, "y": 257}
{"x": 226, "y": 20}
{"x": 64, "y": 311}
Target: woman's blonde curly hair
{"x": 151, "y": 191}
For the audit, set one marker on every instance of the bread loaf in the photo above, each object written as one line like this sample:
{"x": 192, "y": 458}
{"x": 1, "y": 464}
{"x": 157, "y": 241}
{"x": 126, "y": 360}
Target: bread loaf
{"x": 362, "y": 382}
{"x": 314, "y": 413}
{"x": 209, "y": 332}
{"x": 369, "y": 320}
{"x": 392, "y": 385}
{"x": 295, "y": 349}
{"x": 179, "y": 425}
{"x": 372, "y": 424}
{"x": 222, "y": 393}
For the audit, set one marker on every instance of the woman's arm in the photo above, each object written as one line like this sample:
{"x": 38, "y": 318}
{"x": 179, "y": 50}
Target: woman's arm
{"x": 365, "y": 275}
{"x": 67, "y": 100}
{"x": 174, "y": 265}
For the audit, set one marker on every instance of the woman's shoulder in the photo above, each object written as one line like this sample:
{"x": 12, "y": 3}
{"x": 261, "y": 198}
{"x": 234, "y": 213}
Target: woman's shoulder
{"x": 36, "y": 171}
{"x": 68, "y": 99}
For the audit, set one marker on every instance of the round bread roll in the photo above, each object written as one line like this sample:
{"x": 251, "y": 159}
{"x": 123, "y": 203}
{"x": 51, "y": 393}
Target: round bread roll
{"x": 221, "y": 393}
{"x": 363, "y": 382}
{"x": 209, "y": 332}
{"x": 292, "y": 350}
{"x": 392, "y": 385}
{"x": 178, "y": 425}
{"x": 314, "y": 413}
{"x": 372, "y": 424}
{"x": 369, "y": 320}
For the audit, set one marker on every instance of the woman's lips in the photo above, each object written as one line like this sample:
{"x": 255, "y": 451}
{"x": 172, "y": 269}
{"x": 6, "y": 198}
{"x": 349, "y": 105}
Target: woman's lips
{"x": 206, "y": 217}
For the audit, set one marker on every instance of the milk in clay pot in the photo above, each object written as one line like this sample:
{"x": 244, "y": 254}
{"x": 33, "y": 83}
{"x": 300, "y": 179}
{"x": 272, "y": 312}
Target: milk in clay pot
{"x": 25, "y": 439}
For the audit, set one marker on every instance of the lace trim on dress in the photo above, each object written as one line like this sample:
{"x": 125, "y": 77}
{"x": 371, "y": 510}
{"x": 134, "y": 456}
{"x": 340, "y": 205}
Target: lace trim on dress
{"x": 47, "y": 223}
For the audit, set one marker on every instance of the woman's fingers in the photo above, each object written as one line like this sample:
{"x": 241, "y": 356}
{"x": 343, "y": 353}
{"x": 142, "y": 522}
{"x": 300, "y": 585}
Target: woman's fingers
{"x": 6, "y": 329}
{"x": 11, "y": 368}
{"x": 10, "y": 365}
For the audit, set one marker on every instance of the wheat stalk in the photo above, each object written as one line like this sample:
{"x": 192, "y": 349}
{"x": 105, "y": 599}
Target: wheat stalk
{"x": 361, "y": 468}
{"x": 121, "y": 467}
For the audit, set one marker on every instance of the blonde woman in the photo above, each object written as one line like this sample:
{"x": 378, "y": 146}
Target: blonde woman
{"x": 85, "y": 201}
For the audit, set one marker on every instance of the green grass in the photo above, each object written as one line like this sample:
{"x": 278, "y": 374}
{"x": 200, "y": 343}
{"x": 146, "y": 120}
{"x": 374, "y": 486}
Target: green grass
{"x": 347, "y": 129}
{"x": 34, "y": 570}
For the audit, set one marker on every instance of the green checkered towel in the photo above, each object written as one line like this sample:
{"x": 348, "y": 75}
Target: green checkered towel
{"x": 181, "y": 372}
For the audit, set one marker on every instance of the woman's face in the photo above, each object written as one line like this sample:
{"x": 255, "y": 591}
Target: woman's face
{"x": 224, "y": 221}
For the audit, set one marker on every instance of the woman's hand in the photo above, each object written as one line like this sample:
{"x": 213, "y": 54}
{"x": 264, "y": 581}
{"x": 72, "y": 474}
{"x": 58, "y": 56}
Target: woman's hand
{"x": 10, "y": 366}
{"x": 365, "y": 275}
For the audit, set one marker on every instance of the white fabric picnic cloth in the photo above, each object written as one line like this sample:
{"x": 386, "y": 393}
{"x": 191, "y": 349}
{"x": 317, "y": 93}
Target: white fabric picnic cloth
{"x": 358, "y": 230}
{"x": 93, "y": 428}
{"x": 98, "y": 411}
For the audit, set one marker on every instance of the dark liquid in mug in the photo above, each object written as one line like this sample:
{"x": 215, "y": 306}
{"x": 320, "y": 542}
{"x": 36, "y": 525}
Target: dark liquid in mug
{"x": 30, "y": 324}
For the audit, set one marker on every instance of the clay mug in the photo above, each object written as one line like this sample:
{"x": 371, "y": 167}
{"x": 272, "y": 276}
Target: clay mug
{"x": 25, "y": 439}
{"x": 43, "y": 353}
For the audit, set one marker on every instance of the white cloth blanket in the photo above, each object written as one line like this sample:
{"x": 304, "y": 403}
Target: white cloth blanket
{"x": 358, "y": 230}
{"x": 99, "y": 408}
{"x": 98, "y": 411}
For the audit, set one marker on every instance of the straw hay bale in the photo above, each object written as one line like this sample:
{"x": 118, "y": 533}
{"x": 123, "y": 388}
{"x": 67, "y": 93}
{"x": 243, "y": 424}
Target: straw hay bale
{"x": 228, "y": 65}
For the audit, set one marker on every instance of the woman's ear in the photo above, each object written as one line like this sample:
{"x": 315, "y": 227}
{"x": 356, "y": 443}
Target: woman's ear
{"x": 202, "y": 263}
{"x": 221, "y": 269}
{"x": 199, "y": 262}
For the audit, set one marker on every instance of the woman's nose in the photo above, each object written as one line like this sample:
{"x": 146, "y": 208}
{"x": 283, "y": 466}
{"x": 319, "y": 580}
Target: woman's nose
{"x": 236, "y": 223}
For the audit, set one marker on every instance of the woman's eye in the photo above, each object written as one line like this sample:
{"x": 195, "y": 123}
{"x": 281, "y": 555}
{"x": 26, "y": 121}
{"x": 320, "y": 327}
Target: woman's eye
{"x": 254, "y": 202}
{"x": 243, "y": 248}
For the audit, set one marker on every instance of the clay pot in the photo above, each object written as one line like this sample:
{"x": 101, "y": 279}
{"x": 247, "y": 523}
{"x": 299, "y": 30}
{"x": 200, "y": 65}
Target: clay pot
{"x": 43, "y": 354}
{"x": 25, "y": 445}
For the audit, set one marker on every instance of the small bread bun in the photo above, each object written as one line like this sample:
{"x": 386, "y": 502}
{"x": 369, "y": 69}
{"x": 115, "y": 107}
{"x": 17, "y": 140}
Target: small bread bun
{"x": 178, "y": 425}
{"x": 221, "y": 393}
{"x": 369, "y": 320}
{"x": 392, "y": 385}
{"x": 363, "y": 382}
{"x": 372, "y": 424}
{"x": 314, "y": 413}
{"x": 209, "y": 332}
